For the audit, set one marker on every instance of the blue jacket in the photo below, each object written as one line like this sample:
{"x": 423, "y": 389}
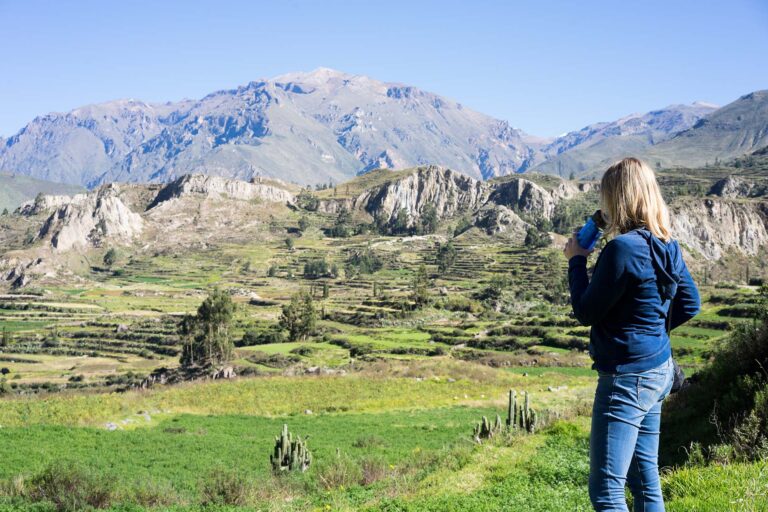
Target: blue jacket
{"x": 626, "y": 301}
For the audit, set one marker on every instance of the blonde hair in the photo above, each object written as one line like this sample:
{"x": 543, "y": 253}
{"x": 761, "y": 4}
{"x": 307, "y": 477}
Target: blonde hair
{"x": 631, "y": 198}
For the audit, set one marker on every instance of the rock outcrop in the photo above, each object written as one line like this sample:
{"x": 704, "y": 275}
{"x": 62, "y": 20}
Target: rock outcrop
{"x": 498, "y": 220}
{"x": 215, "y": 186}
{"x": 448, "y": 191}
{"x": 100, "y": 216}
{"x": 525, "y": 196}
{"x": 47, "y": 203}
{"x": 714, "y": 226}
{"x": 735, "y": 186}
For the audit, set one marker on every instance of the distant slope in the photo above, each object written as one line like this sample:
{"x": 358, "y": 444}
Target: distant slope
{"x": 16, "y": 189}
{"x": 303, "y": 127}
{"x": 328, "y": 126}
{"x": 589, "y": 150}
{"x": 737, "y": 129}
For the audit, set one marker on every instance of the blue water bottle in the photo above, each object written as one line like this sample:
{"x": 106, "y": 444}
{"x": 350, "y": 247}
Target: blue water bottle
{"x": 591, "y": 231}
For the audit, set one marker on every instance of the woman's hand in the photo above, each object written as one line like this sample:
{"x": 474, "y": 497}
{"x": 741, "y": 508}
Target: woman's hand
{"x": 572, "y": 248}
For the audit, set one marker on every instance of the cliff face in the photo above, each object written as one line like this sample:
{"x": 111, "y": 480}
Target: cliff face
{"x": 734, "y": 219}
{"x": 715, "y": 226}
{"x": 91, "y": 220}
{"x": 735, "y": 186}
{"x": 448, "y": 191}
{"x": 525, "y": 196}
{"x": 46, "y": 203}
{"x": 215, "y": 186}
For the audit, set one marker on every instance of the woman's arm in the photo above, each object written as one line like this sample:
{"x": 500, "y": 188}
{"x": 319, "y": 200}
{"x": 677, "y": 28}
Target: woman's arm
{"x": 687, "y": 302}
{"x": 591, "y": 300}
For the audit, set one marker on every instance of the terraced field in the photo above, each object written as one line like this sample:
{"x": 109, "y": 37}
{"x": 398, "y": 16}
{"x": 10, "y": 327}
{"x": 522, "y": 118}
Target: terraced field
{"x": 119, "y": 329}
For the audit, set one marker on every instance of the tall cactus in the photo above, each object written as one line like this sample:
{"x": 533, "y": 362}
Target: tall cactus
{"x": 290, "y": 454}
{"x": 523, "y": 416}
{"x": 519, "y": 417}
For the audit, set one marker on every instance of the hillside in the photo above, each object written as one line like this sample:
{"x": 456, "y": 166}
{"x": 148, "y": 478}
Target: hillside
{"x": 733, "y": 131}
{"x": 304, "y": 127}
{"x": 328, "y": 126}
{"x": 16, "y": 189}
{"x": 594, "y": 147}
{"x": 702, "y": 136}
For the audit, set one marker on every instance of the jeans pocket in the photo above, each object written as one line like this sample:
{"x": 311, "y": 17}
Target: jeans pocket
{"x": 650, "y": 389}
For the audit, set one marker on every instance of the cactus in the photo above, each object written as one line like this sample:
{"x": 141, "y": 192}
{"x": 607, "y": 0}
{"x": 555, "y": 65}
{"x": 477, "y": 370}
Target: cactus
{"x": 486, "y": 430}
{"x": 290, "y": 453}
{"x": 521, "y": 417}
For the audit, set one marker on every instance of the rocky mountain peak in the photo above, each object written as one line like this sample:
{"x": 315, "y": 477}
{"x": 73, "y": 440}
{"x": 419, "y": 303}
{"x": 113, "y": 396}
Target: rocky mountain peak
{"x": 91, "y": 220}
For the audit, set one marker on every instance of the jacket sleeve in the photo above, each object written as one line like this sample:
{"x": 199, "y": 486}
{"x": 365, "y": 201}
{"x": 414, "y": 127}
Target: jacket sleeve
{"x": 591, "y": 300}
{"x": 687, "y": 302}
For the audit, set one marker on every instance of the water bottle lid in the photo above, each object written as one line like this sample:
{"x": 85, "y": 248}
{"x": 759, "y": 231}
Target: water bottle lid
{"x": 598, "y": 219}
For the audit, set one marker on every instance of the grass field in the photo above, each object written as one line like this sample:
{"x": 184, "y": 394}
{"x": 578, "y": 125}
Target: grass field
{"x": 373, "y": 456}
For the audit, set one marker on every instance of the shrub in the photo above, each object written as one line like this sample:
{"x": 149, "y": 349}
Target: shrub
{"x": 307, "y": 200}
{"x": 71, "y": 487}
{"x": 536, "y": 239}
{"x": 253, "y": 337}
{"x": 316, "y": 268}
{"x": 727, "y": 401}
{"x": 225, "y": 487}
{"x": 341, "y": 470}
{"x": 462, "y": 225}
{"x": 364, "y": 262}
{"x": 111, "y": 257}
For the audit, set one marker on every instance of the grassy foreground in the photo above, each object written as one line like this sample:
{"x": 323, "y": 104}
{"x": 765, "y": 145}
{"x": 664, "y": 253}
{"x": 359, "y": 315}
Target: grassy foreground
{"x": 380, "y": 444}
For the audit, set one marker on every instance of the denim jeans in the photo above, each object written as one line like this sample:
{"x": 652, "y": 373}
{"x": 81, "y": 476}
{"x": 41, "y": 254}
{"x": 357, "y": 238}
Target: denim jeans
{"x": 624, "y": 442}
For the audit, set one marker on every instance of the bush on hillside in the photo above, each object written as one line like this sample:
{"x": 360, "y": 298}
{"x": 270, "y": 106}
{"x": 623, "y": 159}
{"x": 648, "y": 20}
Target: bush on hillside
{"x": 727, "y": 402}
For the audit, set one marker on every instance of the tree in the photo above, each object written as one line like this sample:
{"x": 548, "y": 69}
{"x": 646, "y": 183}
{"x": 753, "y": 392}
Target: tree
{"x": 536, "y": 239}
{"x": 289, "y": 243}
{"x": 494, "y": 291}
{"x": 307, "y": 200}
{"x": 303, "y": 223}
{"x": 429, "y": 220}
{"x": 316, "y": 268}
{"x": 555, "y": 278}
{"x": 207, "y": 337}
{"x": 342, "y": 225}
{"x": 572, "y": 176}
{"x": 420, "y": 287}
{"x": 400, "y": 224}
{"x": 446, "y": 257}
{"x": 5, "y": 341}
{"x": 364, "y": 262}
{"x": 761, "y": 308}
{"x": 111, "y": 257}
{"x": 299, "y": 316}
{"x": 462, "y": 225}
{"x": 5, "y": 212}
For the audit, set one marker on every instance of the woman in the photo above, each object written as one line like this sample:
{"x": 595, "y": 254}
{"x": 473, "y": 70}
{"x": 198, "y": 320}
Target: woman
{"x": 627, "y": 302}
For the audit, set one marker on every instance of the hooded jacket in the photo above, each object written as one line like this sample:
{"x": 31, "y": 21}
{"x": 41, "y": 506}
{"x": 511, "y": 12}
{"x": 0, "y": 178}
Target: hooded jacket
{"x": 627, "y": 300}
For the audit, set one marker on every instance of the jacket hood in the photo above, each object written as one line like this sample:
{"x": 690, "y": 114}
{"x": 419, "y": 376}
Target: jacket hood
{"x": 665, "y": 264}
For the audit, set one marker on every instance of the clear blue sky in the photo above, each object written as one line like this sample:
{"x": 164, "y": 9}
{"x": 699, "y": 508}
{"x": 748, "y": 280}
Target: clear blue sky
{"x": 545, "y": 66}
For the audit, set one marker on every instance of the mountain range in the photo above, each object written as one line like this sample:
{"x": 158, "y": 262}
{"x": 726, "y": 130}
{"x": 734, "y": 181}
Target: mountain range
{"x": 328, "y": 126}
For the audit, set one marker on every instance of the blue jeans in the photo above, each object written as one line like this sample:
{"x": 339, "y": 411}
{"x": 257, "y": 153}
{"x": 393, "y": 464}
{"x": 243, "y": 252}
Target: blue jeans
{"x": 624, "y": 442}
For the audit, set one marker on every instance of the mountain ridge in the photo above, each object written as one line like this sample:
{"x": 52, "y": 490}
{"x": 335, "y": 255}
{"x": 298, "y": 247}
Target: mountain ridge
{"x": 318, "y": 127}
